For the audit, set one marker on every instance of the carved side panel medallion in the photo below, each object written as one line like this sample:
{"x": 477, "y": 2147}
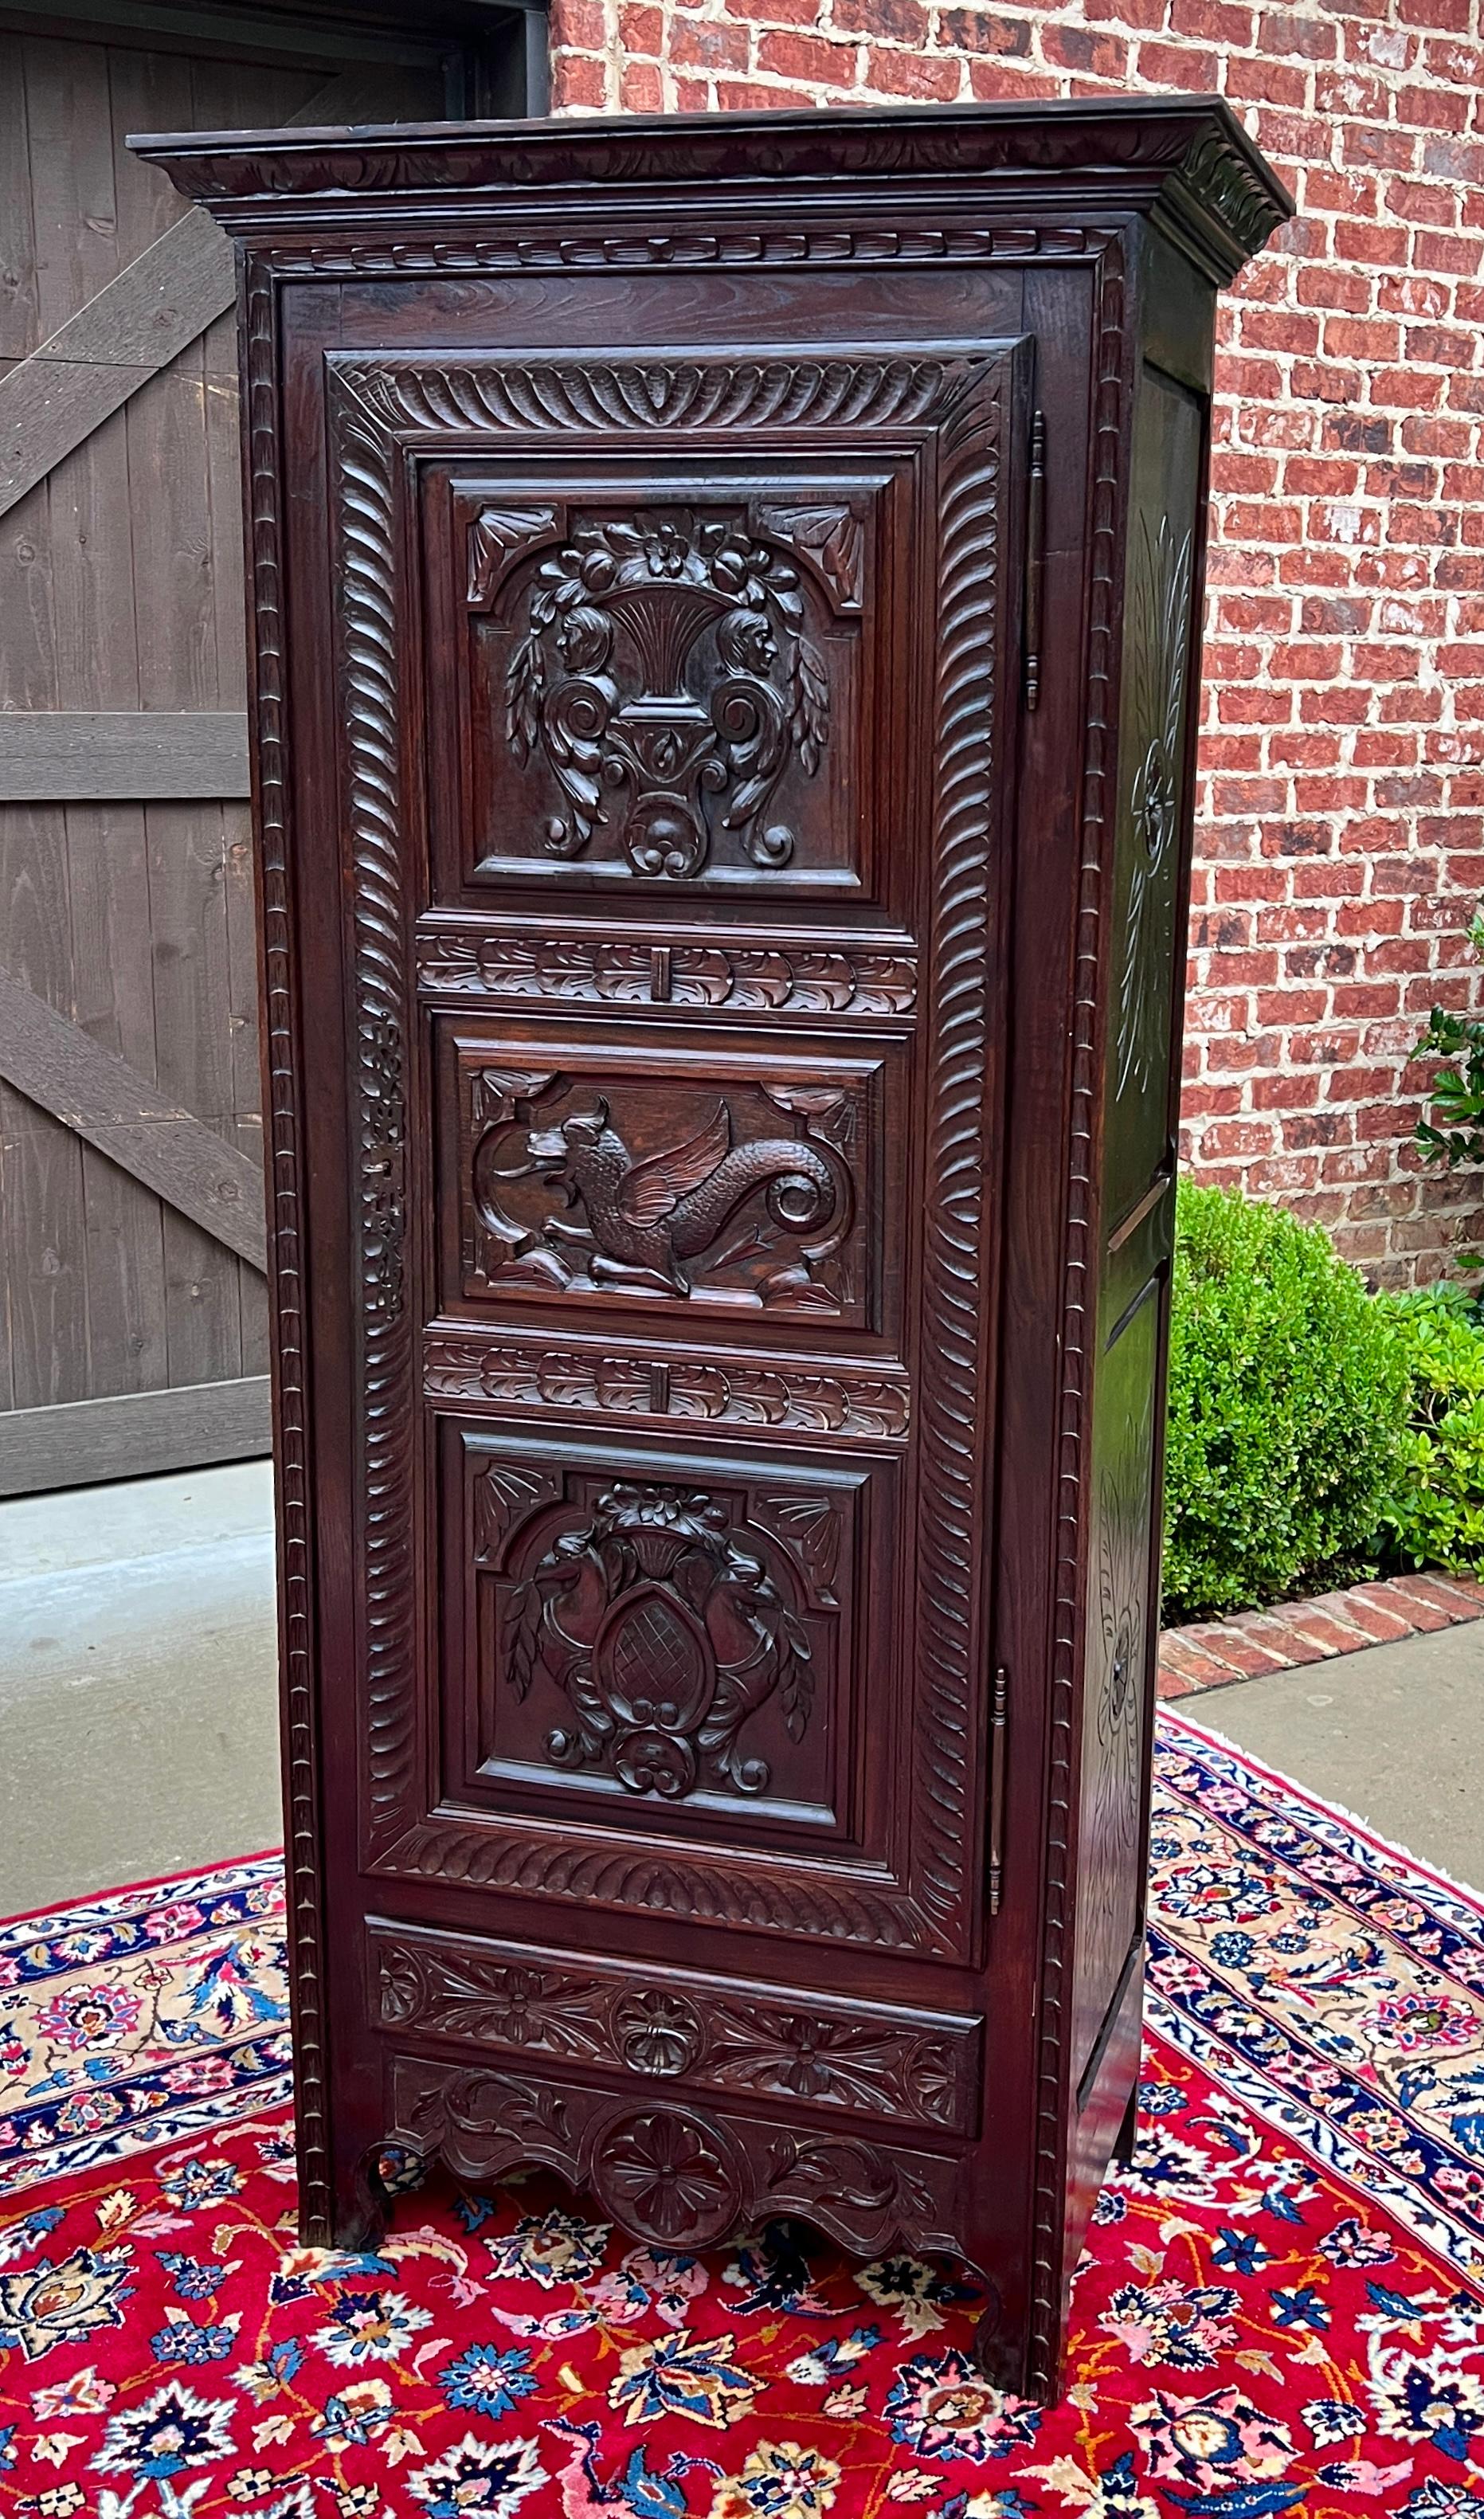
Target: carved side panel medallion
{"x": 1160, "y": 664}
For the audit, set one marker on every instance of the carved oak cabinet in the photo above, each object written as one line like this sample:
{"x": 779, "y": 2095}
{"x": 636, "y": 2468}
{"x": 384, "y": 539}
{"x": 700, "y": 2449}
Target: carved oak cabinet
{"x": 725, "y": 600}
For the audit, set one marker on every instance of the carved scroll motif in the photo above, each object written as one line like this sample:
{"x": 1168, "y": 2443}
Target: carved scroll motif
{"x": 661, "y": 659}
{"x": 666, "y": 1633}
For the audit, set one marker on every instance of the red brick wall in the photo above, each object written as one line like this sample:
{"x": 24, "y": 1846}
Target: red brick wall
{"x": 1340, "y": 851}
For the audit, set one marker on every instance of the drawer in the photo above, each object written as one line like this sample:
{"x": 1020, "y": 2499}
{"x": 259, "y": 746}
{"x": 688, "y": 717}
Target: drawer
{"x": 733, "y": 2037}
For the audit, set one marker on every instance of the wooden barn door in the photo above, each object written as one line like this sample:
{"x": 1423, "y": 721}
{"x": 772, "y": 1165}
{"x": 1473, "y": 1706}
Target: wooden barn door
{"x": 132, "y": 1308}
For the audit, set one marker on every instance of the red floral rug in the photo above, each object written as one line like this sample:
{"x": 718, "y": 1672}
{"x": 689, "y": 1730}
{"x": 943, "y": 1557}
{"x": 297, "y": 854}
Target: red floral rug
{"x": 1281, "y": 2309}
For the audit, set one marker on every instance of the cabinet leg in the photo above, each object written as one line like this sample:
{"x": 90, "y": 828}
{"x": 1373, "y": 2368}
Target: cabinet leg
{"x": 1128, "y": 2132}
{"x": 361, "y": 2203}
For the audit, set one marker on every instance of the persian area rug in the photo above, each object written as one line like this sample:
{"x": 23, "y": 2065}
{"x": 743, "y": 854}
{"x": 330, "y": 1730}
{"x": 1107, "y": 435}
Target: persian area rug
{"x": 1282, "y": 2307}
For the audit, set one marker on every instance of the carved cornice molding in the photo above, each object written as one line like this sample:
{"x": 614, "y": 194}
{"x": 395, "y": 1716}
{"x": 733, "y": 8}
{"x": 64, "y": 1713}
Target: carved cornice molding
{"x": 1125, "y": 152}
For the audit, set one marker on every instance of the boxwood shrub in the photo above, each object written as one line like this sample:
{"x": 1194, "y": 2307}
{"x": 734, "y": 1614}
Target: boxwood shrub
{"x": 1287, "y": 1410}
{"x": 1434, "y": 1515}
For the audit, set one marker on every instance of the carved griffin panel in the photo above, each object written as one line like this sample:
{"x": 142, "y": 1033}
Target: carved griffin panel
{"x": 737, "y": 1193}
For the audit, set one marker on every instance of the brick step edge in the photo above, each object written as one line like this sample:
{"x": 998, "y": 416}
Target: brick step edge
{"x": 1217, "y": 1651}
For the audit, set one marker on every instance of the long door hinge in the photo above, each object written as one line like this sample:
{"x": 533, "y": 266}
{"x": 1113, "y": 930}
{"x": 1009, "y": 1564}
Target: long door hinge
{"x": 1035, "y": 557}
{"x": 999, "y": 1723}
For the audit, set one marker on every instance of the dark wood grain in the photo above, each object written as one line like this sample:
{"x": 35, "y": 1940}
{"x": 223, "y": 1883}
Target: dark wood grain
{"x": 718, "y": 1367}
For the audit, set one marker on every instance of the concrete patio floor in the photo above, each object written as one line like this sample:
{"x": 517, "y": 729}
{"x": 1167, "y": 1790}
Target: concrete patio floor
{"x": 138, "y": 1710}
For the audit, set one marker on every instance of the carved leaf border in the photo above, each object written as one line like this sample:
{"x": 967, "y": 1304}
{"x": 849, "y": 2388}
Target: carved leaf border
{"x": 377, "y": 407}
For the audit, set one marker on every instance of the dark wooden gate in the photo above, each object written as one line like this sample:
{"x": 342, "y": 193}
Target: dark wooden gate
{"x": 132, "y": 1317}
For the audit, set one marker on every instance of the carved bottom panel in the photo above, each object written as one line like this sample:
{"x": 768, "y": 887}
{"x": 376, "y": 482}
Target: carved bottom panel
{"x": 646, "y": 1631}
{"x": 797, "y": 2048}
{"x": 674, "y": 2174}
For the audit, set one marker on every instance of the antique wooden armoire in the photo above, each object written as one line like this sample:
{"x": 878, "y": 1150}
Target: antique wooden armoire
{"x": 726, "y": 615}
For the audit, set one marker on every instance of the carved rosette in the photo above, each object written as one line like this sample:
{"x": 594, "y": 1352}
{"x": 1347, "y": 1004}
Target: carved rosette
{"x": 669, "y": 2175}
{"x": 678, "y": 2178}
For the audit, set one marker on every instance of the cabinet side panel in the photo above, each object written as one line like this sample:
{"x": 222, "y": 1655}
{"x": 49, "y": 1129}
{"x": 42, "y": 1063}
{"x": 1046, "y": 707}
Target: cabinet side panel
{"x": 1142, "y": 1001}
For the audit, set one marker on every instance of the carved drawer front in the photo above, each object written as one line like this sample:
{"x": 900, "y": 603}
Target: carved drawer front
{"x": 540, "y": 2007}
{"x": 684, "y": 1174}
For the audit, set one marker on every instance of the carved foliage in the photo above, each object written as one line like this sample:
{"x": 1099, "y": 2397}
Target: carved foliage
{"x": 663, "y": 656}
{"x": 846, "y": 1401}
{"x": 677, "y": 2177}
{"x": 753, "y": 2040}
{"x": 666, "y": 1633}
{"x": 567, "y": 1196}
{"x": 588, "y": 971}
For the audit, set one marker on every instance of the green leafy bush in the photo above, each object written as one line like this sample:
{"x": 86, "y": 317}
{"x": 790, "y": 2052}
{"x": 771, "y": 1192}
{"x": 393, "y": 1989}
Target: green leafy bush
{"x": 1288, "y": 1409}
{"x": 1457, "y": 1092}
{"x": 1434, "y": 1515}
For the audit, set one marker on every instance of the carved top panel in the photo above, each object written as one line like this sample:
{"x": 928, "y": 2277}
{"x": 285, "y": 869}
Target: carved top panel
{"x": 1095, "y": 146}
{"x": 665, "y": 688}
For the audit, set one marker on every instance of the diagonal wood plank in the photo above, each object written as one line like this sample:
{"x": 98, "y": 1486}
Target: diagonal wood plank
{"x": 104, "y": 1099}
{"x": 159, "y": 303}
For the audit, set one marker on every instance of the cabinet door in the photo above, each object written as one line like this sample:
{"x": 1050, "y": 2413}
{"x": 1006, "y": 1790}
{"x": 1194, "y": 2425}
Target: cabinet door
{"x": 676, "y": 695}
